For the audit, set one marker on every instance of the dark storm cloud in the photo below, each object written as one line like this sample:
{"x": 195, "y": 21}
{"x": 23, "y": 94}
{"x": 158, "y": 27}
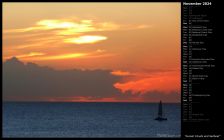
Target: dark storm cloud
{"x": 30, "y": 81}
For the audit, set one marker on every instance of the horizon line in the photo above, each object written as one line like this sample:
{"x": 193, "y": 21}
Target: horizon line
{"x": 85, "y": 102}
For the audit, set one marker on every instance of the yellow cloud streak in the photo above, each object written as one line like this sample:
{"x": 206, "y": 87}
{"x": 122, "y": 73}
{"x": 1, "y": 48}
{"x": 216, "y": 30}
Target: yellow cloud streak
{"x": 121, "y": 73}
{"x": 32, "y": 54}
{"x": 64, "y": 56}
{"x": 68, "y": 27}
{"x": 41, "y": 56}
{"x": 85, "y": 39}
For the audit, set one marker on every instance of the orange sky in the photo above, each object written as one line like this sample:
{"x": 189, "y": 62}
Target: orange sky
{"x": 138, "y": 41}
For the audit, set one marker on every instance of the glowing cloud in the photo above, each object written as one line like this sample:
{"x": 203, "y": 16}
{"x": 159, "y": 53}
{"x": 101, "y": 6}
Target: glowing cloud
{"x": 52, "y": 24}
{"x": 63, "y": 56}
{"x": 31, "y": 54}
{"x": 163, "y": 82}
{"x": 121, "y": 73}
{"x": 69, "y": 27}
{"x": 85, "y": 39}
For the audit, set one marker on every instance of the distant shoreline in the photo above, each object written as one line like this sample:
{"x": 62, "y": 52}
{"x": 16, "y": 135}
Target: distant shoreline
{"x": 87, "y": 102}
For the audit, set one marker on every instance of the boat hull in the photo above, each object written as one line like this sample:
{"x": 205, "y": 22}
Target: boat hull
{"x": 161, "y": 119}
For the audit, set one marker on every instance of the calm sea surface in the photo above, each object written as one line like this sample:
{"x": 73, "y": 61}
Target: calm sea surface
{"x": 89, "y": 120}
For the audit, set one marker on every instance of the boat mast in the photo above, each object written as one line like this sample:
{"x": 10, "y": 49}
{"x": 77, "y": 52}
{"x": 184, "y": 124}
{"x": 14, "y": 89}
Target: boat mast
{"x": 160, "y": 112}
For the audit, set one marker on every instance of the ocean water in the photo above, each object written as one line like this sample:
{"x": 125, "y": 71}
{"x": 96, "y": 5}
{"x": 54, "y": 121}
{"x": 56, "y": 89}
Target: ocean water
{"x": 41, "y": 119}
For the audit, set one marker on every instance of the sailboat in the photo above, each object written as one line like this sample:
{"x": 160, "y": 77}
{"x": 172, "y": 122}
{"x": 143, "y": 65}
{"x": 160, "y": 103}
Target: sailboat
{"x": 160, "y": 113}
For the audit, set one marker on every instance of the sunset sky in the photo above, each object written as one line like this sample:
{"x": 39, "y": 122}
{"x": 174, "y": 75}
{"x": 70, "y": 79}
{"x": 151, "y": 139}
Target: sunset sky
{"x": 138, "y": 42}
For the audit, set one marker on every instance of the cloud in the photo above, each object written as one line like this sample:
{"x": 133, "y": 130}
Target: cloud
{"x": 87, "y": 39}
{"x": 31, "y": 54}
{"x": 32, "y": 82}
{"x": 42, "y": 56}
{"x": 63, "y": 56}
{"x": 121, "y": 73}
{"x": 60, "y": 34}
{"x": 142, "y": 82}
{"x": 39, "y": 56}
{"x": 54, "y": 24}
{"x": 71, "y": 27}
